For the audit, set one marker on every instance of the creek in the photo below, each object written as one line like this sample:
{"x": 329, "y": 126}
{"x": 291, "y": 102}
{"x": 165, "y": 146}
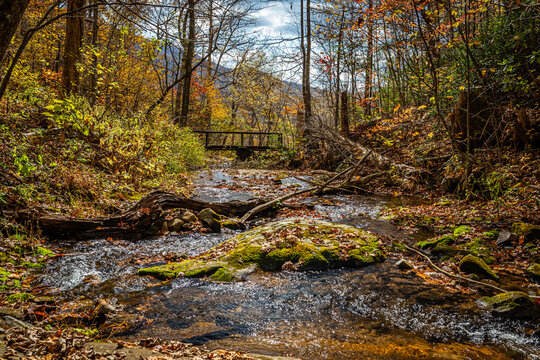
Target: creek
{"x": 377, "y": 312}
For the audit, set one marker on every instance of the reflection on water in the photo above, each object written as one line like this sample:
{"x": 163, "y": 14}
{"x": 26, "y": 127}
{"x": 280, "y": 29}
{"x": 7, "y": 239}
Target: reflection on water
{"x": 376, "y": 312}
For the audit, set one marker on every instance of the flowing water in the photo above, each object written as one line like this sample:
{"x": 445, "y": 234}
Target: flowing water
{"x": 377, "y": 312}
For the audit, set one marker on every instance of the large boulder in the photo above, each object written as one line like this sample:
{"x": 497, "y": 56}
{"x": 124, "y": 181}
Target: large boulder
{"x": 306, "y": 244}
{"x": 513, "y": 303}
{"x": 210, "y": 219}
{"x": 471, "y": 264}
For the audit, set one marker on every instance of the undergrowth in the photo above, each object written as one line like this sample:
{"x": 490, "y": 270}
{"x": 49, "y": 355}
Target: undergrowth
{"x": 68, "y": 156}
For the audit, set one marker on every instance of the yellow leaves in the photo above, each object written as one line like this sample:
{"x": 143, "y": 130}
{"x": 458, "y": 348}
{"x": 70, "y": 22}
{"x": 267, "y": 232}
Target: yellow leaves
{"x": 430, "y": 135}
{"x": 397, "y": 108}
{"x": 461, "y": 88}
{"x": 422, "y": 107}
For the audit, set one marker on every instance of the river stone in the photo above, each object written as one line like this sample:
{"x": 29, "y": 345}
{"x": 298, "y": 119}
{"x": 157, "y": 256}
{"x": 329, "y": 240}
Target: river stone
{"x": 514, "y": 304}
{"x": 307, "y": 244}
{"x": 403, "y": 265}
{"x": 233, "y": 224}
{"x": 528, "y": 231}
{"x": 534, "y": 270}
{"x": 210, "y": 219}
{"x": 471, "y": 264}
{"x": 506, "y": 238}
{"x": 175, "y": 225}
{"x": 188, "y": 217}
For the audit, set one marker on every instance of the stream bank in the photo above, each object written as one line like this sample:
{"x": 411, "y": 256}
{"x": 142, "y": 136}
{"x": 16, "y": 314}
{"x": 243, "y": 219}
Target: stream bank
{"x": 379, "y": 311}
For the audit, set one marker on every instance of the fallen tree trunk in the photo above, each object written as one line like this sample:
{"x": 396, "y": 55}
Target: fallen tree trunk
{"x": 137, "y": 222}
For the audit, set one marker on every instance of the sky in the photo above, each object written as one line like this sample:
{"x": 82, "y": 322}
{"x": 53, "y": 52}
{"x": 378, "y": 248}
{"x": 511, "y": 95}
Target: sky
{"x": 278, "y": 20}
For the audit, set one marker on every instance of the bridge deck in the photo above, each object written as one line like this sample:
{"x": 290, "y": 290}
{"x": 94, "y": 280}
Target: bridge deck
{"x": 236, "y": 140}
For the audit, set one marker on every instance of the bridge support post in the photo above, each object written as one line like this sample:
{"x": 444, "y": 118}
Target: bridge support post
{"x": 243, "y": 153}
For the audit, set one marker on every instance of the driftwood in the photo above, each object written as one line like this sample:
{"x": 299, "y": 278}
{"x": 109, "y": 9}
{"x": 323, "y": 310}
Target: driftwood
{"x": 136, "y": 222}
{"x": 317, "y": 189}
{"x": 336, "y": 143}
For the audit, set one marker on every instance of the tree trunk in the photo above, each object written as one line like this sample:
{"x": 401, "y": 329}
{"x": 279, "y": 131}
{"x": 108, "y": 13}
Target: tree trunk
{"x": 344, "y": 114}
{"x": 369, "y": 62}
{"x": 338, "y": 71}
{"x": 143, "y": 219}
{"x": 93, "y": 74}
{"x": 305, "y": 45}
{"x": 187, "y": 60}
{"x": 72, "y": 48}
{"x": 307, "y": 96}
{"x": 11, "y": 13}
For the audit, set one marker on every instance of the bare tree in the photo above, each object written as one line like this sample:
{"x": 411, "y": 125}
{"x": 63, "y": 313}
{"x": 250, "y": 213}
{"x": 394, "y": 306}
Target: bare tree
{"x": 72, "y": 48}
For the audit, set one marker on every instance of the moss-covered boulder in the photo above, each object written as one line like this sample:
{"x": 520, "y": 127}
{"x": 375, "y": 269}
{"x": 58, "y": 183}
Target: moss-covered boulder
{"x": 478, "y": 248}
{"x": 528, "y": 231}
{"x": 514, "y": 303}
{"x": 308, "y": 244}
{"x": 210, "y": 219}
{"x": 471, "y": 264}
{"x": 534, "y": 270}
{"x": 442, "y": 240}
{"x": 445, "y": 252}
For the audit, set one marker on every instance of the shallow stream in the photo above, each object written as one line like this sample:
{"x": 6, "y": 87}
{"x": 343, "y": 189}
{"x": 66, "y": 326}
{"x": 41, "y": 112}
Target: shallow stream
{"x": 377, "y": 312}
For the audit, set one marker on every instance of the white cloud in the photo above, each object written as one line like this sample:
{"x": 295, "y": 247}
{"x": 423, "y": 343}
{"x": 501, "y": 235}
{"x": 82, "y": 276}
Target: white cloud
{"x": 274, "y": 20}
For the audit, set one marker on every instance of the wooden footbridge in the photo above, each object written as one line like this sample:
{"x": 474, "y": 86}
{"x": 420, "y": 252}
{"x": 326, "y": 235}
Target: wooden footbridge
{"x": 243, "y": 142}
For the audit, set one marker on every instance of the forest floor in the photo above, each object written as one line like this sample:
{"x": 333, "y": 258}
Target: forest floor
{"x": 505, "y": 192}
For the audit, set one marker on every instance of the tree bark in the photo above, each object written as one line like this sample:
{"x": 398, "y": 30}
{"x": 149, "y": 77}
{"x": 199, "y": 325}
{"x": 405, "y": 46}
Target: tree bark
{"x": 93, "y": 74}
{"x": 187, "y": 60}
{"x": 305, "y": 45}
{"x": 369, "y": 62}
{"x": 72, "y": 48}
{"x": 11, "y": 13}
{"x": 344, "y": 114}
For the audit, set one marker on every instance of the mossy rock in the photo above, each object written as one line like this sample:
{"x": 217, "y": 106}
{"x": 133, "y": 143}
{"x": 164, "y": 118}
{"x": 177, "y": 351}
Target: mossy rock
{"x": 19, "y": 297}
{"x": 528, "y": 231}
{"x": 232, "y": 223}
{"x": 442, "y": 240}
{"x": 534, "y": 270}
{"x": 513, "y": 303}
{"x": 446, "y": 251}
{"x": 461, "y": 230}
{"x": 210, "y": 219}
{"x": 308, "y": 244}
{"x": 471, "y": 264}
{"x": 477, "y": 247}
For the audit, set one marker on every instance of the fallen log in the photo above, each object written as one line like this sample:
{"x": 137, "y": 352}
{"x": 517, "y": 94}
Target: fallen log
{"x": 139, "y": 221}
{"x": 317, "y": 189}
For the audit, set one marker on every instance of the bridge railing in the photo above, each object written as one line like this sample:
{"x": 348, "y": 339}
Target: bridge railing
{"x": 241, "y": 139}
